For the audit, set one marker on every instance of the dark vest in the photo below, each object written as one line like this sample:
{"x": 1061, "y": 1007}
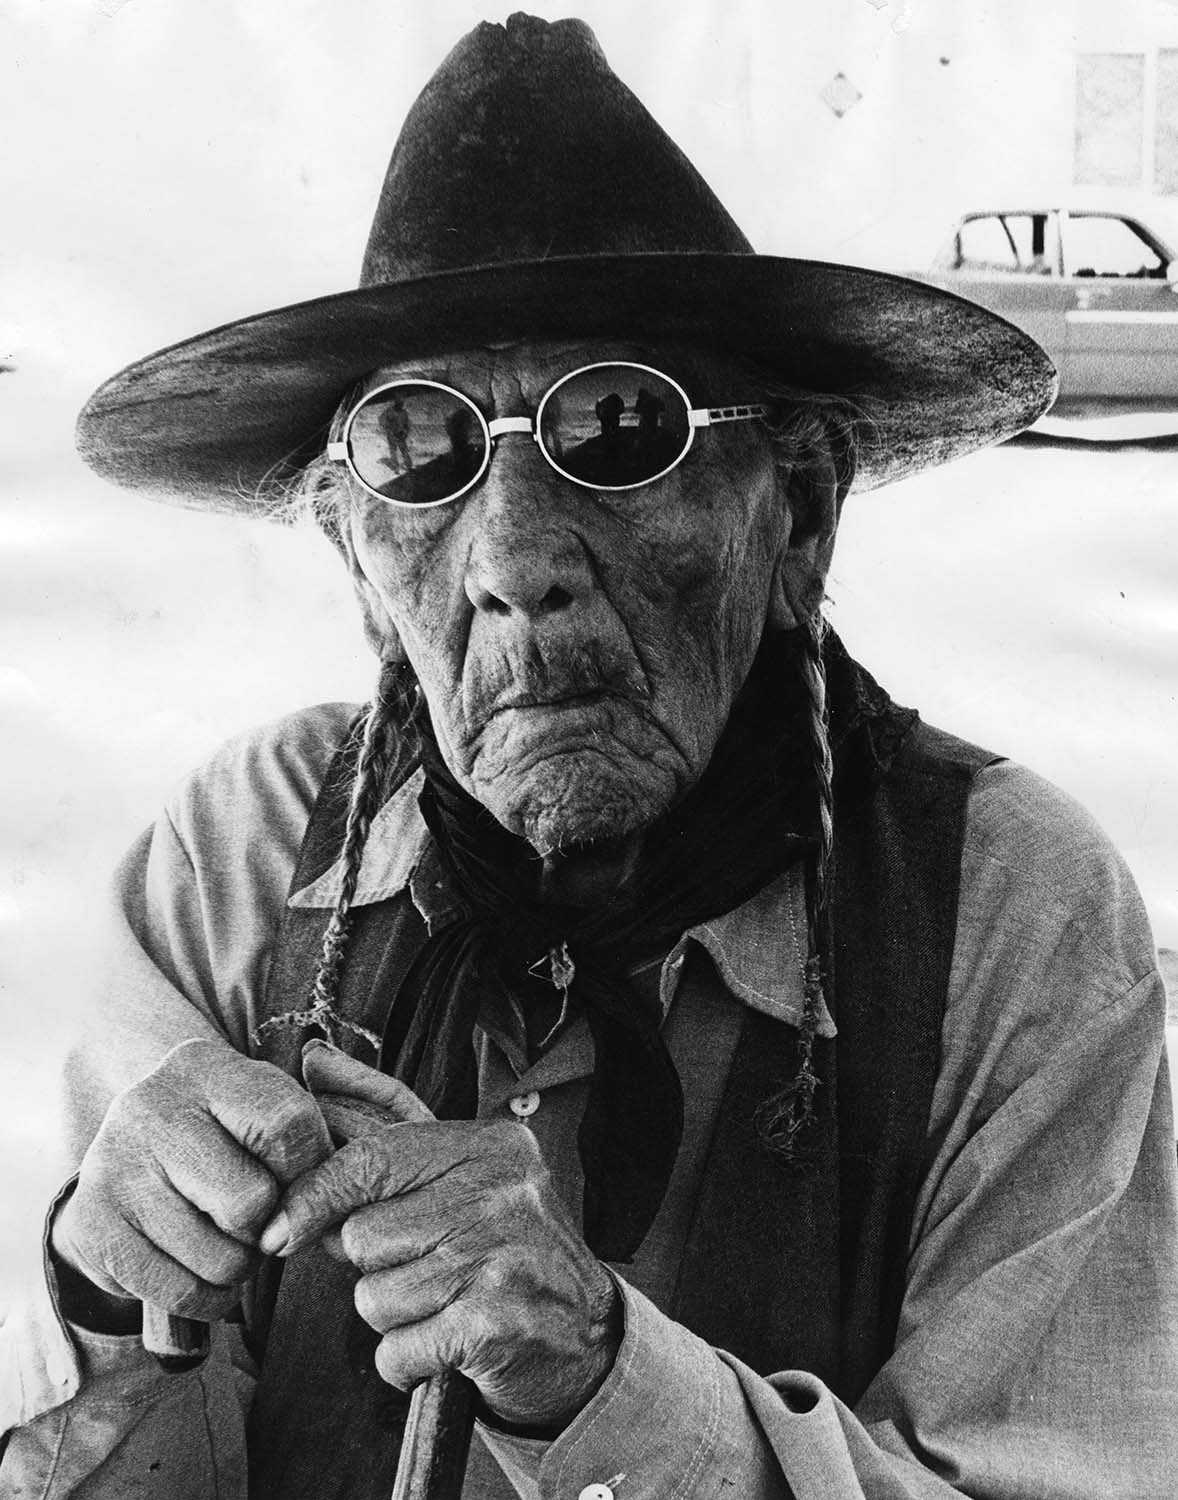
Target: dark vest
{"x": 786, "y": 1268}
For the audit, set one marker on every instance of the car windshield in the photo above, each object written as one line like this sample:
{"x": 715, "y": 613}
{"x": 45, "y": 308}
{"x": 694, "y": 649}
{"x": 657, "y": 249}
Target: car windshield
{"x": 1163, "y": 216}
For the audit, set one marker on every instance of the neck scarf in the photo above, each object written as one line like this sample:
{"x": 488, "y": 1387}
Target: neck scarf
{"x": 741, "y": 824}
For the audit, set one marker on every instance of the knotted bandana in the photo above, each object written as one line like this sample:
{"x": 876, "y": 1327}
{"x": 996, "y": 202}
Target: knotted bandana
{"x": 742, "y": 823}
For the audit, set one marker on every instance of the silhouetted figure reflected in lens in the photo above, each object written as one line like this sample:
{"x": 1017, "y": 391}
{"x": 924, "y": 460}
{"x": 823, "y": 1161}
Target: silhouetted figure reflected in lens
{"x": 463, "y": 451}
{"x": 453, "y": 468}
{"x": 395, "y": 421}
{"x": 600, "y": 459}
{"x": 609, "y": 413}
{"x": 650, "y": 413}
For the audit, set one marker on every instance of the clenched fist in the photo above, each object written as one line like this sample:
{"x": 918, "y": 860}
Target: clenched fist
{"x": 183, "y": 1176}
{"x": 469, "y": 1259}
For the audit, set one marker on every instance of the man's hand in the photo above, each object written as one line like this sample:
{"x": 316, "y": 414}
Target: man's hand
{"x": 469, "y": 1260}
{"x": 182, "y": 1177}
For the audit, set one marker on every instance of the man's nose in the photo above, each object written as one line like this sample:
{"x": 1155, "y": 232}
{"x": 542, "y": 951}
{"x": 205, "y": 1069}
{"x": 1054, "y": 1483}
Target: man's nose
{"x": 527, "y": 557}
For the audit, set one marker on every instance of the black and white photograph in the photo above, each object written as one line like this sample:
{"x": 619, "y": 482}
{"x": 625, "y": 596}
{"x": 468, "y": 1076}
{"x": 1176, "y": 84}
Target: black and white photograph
{"x": 589, "y": 689}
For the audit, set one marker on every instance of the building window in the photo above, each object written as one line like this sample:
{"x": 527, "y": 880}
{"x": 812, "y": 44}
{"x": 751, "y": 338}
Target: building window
{"x": 1110, "y": 118}
{"x": 1165, "y": 150}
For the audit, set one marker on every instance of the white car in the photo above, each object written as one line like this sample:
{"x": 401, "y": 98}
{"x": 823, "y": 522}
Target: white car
{"x": 1095, "y": 281}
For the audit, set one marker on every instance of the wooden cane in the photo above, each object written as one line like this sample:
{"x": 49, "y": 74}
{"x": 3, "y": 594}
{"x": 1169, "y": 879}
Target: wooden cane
{"x": 178, "y": 1344}
{"x": 440, "y": 1423}
{"x": 434, "y": 1448}
{"x": 438, "y": 1429}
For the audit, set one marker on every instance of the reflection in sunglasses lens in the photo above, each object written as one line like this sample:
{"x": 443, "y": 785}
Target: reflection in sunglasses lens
{"x": 614, "y": 425}
{"x": 417, "y": 444}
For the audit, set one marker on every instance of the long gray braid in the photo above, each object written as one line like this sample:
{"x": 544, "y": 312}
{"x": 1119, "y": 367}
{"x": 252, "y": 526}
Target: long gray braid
{"x": 382, "y": 735}
{"x": 781, "y": 1119}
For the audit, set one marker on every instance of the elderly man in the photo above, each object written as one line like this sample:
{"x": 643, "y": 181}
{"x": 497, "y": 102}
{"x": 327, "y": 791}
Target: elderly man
{"x": 801, "y": 1125}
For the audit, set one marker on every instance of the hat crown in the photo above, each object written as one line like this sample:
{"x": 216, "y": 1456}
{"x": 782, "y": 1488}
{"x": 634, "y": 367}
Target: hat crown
{"x": 531, "y": 196}
{"x": 525, "y": 145}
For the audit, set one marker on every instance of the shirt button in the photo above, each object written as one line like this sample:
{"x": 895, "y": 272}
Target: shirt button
{"x": 57, "y": 1367}
{"x": 524, "y": 1105}
{"x": 596, "y": 1492}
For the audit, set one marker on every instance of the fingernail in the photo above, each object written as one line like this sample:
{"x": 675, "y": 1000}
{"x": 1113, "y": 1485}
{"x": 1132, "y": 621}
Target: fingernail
{"x": 275, "y": 1235}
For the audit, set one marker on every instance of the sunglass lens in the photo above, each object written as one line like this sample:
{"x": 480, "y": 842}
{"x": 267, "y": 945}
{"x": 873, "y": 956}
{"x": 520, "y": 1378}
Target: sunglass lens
{"x": 615, "y": 425}
{"x": 417, "y": 443}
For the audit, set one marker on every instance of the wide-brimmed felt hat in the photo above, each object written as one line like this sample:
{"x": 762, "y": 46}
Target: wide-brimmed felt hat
{"x": 531, "y": 195}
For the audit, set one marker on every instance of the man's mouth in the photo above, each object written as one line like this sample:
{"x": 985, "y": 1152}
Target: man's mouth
{"x": 560, "y": 679}
{"x": 572, "y": 697}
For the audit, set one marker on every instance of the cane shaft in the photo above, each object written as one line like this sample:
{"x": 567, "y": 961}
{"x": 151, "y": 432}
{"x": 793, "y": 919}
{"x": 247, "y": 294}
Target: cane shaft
{"x": 177, "y": 1343}
{"x": 437, "y": 1439}
{"x": 432, "y": 1465}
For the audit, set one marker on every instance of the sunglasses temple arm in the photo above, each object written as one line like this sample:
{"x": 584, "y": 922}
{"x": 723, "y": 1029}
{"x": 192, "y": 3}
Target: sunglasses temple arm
{"x": 708, "y": 416}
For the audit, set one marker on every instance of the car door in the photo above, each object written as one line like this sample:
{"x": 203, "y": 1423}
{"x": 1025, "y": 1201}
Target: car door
{"x": 1010, "y": 262}
{"x": 1122, "y": 322}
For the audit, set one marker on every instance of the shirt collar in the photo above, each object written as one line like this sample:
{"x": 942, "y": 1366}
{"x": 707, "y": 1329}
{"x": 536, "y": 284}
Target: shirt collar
{"x": 759, "y": 949}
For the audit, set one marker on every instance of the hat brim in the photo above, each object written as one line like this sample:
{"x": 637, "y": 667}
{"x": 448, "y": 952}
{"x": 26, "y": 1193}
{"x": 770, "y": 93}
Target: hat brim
{"x": 223, "y": 420}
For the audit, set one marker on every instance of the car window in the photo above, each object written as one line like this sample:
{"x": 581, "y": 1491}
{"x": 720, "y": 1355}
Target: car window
{"x": 1015, "y": 243}
{"x": 1104, "y": 245}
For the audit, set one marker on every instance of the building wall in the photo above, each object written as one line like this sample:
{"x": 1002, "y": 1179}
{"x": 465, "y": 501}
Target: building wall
{"x": 960, "y": 107}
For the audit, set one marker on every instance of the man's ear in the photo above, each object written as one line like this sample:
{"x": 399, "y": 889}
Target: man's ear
{"x": 379, "y": 630}
{"x": 814, "y": 493}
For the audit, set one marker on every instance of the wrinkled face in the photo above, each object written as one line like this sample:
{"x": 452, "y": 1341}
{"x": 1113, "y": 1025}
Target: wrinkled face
{"x": 579, "y": 650}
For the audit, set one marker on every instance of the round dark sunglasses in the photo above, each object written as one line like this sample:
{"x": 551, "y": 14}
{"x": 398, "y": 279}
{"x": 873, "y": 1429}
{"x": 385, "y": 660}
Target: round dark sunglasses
{"x": 609, "y": 426}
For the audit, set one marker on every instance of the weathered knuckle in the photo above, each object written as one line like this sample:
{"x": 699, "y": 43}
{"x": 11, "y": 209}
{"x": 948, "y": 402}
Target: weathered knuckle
{"x": 246, "y": 1205}
{"x": 228, "y": 1266}
{"x": 105, "y": 1269}
{"x": 124, "y": 1260}
{"x": 490, "y": 1343}
{"x": 131, "y": 1119}
{"x": 288, "y": 1120}
{"x": 496, "y": 1276}
{"x": 184, "y": 1071}
{"x": 85, "y": 1223}
{"x": 293, "y": 1135}
{"x": 461, "y": 1334}
{"x": 101, "y": 1168}
{"x": 108, "y": 1181}
{"x": 367, "y": 1164}
{"x": 190, "y": 1055}
{"x": 177, "y": 1288}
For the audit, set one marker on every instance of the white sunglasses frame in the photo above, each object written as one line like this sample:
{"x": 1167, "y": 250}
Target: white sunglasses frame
{"x": 339, "y": 449}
